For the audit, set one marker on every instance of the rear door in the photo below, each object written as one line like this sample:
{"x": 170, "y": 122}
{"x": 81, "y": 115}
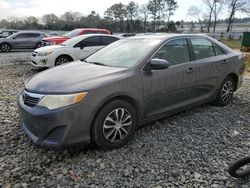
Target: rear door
{"x": 208, "y": 62}
{"x": 171, "y": 88}
{"x": 33, "y": 40}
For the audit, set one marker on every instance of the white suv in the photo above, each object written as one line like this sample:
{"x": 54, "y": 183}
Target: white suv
{"x": 76, "y": 48}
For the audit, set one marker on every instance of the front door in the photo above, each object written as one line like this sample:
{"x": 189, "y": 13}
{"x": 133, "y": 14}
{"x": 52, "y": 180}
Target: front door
{"x": 88, "y": 46}
{"x": 171, "y": 88}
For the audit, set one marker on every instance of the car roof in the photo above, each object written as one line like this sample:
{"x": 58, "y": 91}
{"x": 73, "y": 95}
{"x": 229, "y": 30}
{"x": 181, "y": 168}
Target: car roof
{"x": 31, "y": 31}
{"x": 165, "y": 36}
{"x": 80, "y": 37}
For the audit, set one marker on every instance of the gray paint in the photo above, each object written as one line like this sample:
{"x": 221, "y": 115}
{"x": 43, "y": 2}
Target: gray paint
{"x": 154, "y": 92}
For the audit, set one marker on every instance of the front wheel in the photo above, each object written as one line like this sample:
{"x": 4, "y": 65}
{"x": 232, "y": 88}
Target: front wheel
{"x": 225, "y": 92}
{"x": 62, "y": 60}
{"x": 114, "y": 125}
{"x": 5, "y": 47}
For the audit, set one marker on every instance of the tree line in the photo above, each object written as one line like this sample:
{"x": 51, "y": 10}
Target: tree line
{"x": 155, "y": 16}
{"x": 208, "y": 18}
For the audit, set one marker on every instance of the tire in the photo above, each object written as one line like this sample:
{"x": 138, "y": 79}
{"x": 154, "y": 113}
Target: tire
{"x": 62, "y": 60}
{"x": 114, "y": 125}
{"x": 39, "y": 45}
{"x": 234, "y": 169}
{"x": 225, "y": 92}
{"x": 5, "y": 47}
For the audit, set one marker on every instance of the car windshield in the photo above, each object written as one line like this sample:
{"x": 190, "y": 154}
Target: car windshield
{"x": 73, "y": 33}
{"x": 72, "y": 41}
{"x": 124, "y": 53}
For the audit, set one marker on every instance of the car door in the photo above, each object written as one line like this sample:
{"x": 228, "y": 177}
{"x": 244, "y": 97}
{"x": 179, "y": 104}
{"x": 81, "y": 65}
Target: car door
{"x": 208, "y": 61}
{"x": 88, "y": 46}
{"x": 33, "y": 40}
{"x": 171, "y": 88}
{"x": 19, "y": 41}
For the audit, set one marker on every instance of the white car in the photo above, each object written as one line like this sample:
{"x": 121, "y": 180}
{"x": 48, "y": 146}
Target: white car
{"x": 76, "y": 48}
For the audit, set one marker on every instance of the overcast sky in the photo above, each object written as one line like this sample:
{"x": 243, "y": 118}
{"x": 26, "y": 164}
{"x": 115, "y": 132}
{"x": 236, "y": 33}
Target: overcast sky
{"x": 21, "y": 8}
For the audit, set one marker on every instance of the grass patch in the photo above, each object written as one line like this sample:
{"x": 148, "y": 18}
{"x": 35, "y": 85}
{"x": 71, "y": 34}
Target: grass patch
{"x": 234, "y": 44}
{"x": 247, "y": 63}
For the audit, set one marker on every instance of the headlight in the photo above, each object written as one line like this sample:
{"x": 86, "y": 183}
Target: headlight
{"x": 45, "y": 53}
{"x": 57, "y": 101}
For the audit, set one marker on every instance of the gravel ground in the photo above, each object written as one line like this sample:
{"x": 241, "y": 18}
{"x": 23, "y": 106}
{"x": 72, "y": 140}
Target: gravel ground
{"x": 189, "y": 149}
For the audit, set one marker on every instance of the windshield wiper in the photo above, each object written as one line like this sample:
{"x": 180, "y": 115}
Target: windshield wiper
{"x": 96, "y": 63}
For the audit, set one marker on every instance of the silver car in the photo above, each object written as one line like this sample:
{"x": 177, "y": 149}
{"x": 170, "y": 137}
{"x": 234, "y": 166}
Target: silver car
{"x": 22, "y": 40}
{"x": 126, "y": 84}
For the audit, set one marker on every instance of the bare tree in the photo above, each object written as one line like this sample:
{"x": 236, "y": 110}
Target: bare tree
{"x": 210, "y": 6}
{"x": 195, "y": 12}
{"x": 154, "y": 7}
{"x": 218, "y": 7}
{"x": 236, "y": 6}
{"x": 132, "y": 12}
{"x": 144, "y": 16}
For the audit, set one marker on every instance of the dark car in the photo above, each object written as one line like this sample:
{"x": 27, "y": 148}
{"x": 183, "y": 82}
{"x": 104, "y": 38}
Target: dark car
{"x": 6, "y": 33}
{"x": 126, "y": 84}
{"x": 22, "y": 40}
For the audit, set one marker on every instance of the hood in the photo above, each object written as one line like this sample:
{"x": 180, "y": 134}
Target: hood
{"x": 71, "y": 78}
{"x": 47, "y": 48}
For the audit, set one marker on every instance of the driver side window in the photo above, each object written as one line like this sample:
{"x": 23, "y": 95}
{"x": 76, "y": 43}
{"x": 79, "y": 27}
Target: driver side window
{"x": 175, "y": 52}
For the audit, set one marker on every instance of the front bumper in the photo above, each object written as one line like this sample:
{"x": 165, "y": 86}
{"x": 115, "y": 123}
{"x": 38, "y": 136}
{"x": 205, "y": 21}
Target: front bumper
{"x": 42, "y": 61}
{"x": 61, "y": 127}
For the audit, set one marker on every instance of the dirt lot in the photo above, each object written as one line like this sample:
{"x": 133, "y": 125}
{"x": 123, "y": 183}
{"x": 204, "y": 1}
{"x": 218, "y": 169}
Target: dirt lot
{"x": 190, "y": 149}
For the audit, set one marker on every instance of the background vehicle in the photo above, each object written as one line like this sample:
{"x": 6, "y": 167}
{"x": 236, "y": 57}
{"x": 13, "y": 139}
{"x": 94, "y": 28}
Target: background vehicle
{"x": 126, "y": 84}
{"x": 73, "y": 49}
{"x": 81, "y": 31}
{"x": 5, "y": 33}
{"x": 22, "y": 40}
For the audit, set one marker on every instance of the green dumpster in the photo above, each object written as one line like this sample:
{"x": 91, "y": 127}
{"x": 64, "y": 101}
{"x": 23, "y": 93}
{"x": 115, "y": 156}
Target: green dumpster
{"x": 245, "y": 45}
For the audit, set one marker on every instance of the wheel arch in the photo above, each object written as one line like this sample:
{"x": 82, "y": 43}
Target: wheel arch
{"x": 132, "y": 101}
{"x": 66, "y": 55}
{"x": 6, "y": 43}
{"x": 235, "y": 78}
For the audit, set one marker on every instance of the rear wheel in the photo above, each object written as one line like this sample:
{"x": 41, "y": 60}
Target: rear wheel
{"x": 62, "y": 60}
{"x": 5, "y": 47}
{"x": 225, "y": 93}
{"x": 39, "y": 45}
{"x": 114, "y": 125}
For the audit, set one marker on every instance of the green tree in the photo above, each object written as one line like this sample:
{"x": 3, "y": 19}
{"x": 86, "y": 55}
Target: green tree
{"x": 132, "y": 12}
{"x": 51, "y": 21}
{"x": 117, "y": 14}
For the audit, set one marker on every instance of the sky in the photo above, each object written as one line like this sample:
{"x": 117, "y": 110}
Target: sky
{"x": 22, "y": 8}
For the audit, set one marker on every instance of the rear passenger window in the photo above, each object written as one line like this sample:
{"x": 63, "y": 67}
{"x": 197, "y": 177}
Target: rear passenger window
{"x": 33, "y": 35}
{"x": 108, "y": 40}
{"x": 202, "y": 48}
{"x": 93, "y": 41}
{"x": 218, "y": 50}
{"x": 175, "y": 52}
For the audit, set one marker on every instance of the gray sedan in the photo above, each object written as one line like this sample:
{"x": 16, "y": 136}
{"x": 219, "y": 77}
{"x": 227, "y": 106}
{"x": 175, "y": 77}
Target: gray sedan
{"x": 22, "y": 40}
{"x": 126, "y": 84}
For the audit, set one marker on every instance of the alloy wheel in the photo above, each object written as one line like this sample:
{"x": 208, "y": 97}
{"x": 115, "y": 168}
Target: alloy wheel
{"x": 117, "y": 125}
{"x": 62, "y": 60}
{"x": 5, "y": 48}
{"x": 227, "y": 91}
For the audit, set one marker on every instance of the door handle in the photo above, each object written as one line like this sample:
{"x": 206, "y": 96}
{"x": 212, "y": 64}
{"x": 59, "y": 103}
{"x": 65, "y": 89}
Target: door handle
{"x": 190, "y": 70}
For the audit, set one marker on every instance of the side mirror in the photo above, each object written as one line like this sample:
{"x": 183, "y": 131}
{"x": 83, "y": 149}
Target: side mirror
{"x": 158, "y": 64}
{"x": 82, "y": 45}
{"x": 14, "y": 37}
